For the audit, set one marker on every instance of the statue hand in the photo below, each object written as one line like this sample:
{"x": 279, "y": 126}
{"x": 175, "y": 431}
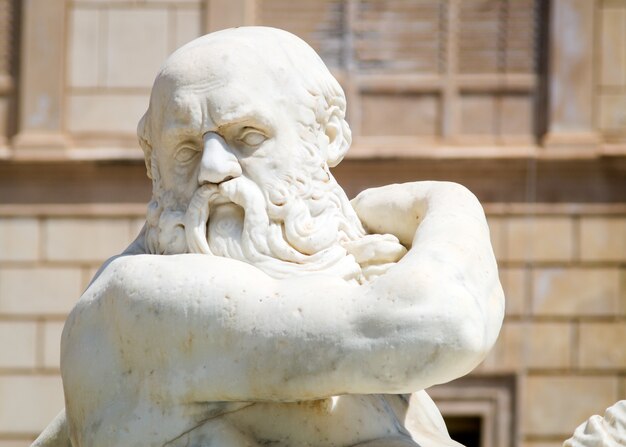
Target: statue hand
{"x": 376, "y": 253}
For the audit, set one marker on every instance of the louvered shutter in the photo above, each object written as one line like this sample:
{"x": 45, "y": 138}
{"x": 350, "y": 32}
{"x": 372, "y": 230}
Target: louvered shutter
{"x": 7, "y": 66}
{"x": 6, "y": 34}
{"x": 399, "y": 36}
{"x": 444, "y": 70}
{"x": 520, "y": 37}
{"x": 497, "y": 36}
{"x": 319, "y": 22}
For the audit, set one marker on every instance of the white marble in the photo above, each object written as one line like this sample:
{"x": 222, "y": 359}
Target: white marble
{"x": 283, "y": 314}
{"x": 598, "y": 431}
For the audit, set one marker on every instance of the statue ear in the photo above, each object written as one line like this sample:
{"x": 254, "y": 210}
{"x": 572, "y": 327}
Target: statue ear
{"x": 144, "y": 142}
{"x": 339, "y": 137}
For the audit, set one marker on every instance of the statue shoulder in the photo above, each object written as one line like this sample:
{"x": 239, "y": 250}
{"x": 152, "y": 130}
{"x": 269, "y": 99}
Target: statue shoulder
{"x": 172, "y": 277}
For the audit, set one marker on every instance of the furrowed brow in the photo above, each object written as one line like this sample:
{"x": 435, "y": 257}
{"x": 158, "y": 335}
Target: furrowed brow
{"x": 248, "y": 116}
{"x": 177, "y": 132}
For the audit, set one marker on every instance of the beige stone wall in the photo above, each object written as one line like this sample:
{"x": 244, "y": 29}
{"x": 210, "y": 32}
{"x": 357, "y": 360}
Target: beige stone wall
{"x": 46, "y": 262}
{"x": 563, "y": 270}
{"x": 565, "y": 326}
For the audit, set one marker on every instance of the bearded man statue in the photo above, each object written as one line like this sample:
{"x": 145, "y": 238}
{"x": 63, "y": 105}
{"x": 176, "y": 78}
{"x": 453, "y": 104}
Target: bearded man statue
{"x": 259, "y": 306}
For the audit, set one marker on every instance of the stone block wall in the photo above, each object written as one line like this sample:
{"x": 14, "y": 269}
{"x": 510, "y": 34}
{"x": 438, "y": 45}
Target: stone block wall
{"x": 46, "y": 261}
{"x": 563, "y": 269}
{"x": 564, "y": 275}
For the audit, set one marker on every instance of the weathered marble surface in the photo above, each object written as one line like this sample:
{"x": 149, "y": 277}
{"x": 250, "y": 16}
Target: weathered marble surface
{"x": 598, "y": 431}
{"x": 283, "y": 314}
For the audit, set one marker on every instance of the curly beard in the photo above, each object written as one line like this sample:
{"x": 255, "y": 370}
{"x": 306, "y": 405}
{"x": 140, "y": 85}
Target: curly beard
{"x": 297, "y": 224}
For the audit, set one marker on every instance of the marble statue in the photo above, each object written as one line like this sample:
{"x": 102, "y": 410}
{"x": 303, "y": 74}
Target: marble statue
{"x": 259, "y": 306}
{"x": 598, "y": 431}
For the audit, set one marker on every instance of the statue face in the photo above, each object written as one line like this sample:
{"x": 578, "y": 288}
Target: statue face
{"x": 241, "y": 158}
{"x": 217, "y": 133}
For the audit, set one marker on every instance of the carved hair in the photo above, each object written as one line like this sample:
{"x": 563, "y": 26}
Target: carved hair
{"x": 598, "y": 431}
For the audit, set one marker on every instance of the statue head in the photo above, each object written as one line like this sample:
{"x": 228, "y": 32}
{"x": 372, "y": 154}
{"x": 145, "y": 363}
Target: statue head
{"x": 242, "y": 127}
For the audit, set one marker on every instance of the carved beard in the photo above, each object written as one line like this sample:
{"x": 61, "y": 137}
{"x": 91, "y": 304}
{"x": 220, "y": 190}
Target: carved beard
{"x": 297, "y": 224}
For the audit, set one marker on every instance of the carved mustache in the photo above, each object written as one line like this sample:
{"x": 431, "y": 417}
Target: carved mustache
{"x": 196, "y": 217}
{"x": 240, "y": 191}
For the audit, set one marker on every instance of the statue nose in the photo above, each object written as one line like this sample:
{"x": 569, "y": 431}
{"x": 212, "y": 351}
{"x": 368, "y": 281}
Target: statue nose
{"x": 218, "y": 163}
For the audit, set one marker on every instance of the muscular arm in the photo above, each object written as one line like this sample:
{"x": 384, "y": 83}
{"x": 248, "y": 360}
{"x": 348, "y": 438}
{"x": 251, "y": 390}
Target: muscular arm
{"x": 199, "y": 328}
{"x": 450, "y": 262}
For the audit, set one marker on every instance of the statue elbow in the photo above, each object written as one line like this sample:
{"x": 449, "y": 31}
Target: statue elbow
{"x": 476, "y": 333}
{"x": 474, "y": 345}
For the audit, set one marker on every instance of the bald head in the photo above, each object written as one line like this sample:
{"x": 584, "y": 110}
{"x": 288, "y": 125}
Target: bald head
{"x": 251, "y": 52}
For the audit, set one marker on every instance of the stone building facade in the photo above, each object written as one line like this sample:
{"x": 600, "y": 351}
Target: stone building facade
{"x": 523, "y": 101}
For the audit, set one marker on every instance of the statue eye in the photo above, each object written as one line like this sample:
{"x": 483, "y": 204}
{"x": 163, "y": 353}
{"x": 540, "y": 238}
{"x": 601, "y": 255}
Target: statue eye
{"x": 252, "y": 137}
{"x": 185, "y": 154}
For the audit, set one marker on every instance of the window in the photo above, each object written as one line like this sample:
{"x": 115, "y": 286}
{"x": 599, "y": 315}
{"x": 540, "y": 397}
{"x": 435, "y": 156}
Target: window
{"x": 432, "y": 71}
{"x": 479, "y": 411}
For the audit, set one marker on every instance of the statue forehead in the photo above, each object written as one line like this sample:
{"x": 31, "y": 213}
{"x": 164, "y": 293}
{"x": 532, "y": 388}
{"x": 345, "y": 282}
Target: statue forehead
{"x": 248, "y": 55}
{"x": 228, "y": 71}
{"x": 222, "y": 101}
{"x": 195, "y": 113}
